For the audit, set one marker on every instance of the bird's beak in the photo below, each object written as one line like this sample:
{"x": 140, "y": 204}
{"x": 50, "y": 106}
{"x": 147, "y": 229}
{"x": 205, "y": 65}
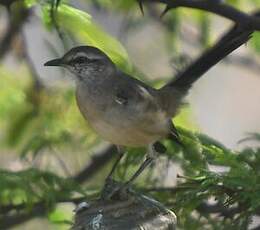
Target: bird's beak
{"x": 54, "y": 62}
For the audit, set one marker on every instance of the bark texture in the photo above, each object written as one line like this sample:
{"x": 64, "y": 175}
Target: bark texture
{"x": 135, "y": 212}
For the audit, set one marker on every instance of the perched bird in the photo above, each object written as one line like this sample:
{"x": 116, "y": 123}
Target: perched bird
{"x": 126, "y": 111}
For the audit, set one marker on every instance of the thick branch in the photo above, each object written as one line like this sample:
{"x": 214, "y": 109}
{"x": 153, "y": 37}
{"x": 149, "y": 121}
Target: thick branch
{"x": 216, "y": 7}
{"x": 9, "y": 221}
{"x": 39, "y": 209}
{"x": 135, "y": 212}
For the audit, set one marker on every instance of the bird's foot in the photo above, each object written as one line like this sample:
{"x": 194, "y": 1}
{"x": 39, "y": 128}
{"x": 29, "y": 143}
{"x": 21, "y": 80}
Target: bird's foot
{"x": 114, "y": 190}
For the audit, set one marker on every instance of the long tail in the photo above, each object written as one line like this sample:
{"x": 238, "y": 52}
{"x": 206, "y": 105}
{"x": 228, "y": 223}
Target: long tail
{"x": 234, "y": 38}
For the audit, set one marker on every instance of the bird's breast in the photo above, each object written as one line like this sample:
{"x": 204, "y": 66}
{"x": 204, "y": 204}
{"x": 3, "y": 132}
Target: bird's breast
{"x": 120, "y": 125}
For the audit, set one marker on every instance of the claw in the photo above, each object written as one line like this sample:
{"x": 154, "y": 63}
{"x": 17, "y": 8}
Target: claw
{"x": 167, "y": 8}
{"x": 110, "y": 189}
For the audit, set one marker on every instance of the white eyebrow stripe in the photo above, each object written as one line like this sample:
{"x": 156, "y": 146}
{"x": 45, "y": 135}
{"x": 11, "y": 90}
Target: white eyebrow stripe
{"x": 90, "y": 56}
{"x": 80, "y": 54}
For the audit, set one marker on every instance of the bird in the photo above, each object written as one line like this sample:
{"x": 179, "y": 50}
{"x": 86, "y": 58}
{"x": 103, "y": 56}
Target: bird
{"x": 126, "y": 111}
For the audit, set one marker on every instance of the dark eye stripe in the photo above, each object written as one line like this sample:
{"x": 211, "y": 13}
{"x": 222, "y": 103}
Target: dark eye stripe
{"x": 81, "y": 60}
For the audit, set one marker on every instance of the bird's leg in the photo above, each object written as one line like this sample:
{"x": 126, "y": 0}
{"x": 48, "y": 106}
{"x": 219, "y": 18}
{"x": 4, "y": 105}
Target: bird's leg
{"x": 120, "y": 151}
{"x": 152, "y": 154}
{"x": 147, "y": 162}
{"x": 110, "y": 184}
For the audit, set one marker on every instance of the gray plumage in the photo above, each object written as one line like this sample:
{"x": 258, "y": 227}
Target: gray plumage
{"x": 124, "y": 110}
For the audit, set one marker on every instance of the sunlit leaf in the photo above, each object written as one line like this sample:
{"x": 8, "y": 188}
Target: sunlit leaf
{"x": 185, "y": 119}
{"x": 255, "y": 42}
{"x": 62, "y": 217}
{"x": 80, "y": 25}
{"x": 33, "y": 185}
{"x": 30, "y": 3}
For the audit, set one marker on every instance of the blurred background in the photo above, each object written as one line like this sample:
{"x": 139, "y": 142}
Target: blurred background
{"x": 41, "y": 127}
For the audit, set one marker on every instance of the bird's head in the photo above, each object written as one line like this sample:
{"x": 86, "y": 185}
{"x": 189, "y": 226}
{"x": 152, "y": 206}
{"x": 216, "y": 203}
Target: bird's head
{"x": 84, "y": 62}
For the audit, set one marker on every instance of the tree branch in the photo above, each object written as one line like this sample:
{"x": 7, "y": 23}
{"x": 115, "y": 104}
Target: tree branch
{"x": 134, "y": 212}
{"x": 9, "y": 221}
{"x": 216, "y": 7}
{"x": 39, "y": 208}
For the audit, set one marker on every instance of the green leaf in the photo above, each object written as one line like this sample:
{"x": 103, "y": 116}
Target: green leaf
{"x": 30, "y": 3}
{"x": 81, "y": 26}
{"x": 32, "y": 185}
{"x": 186, "y": 120}
{"x": 61, "y": 216}
{"x": 255, "y": 42}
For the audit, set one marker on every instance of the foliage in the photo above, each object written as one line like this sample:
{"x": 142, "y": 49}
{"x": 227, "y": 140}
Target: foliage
{"x": 37, "y": 120}
{"x": 234, "y": 192}
{"x": 72, "y": 20}
{"x": 32, "y": 185}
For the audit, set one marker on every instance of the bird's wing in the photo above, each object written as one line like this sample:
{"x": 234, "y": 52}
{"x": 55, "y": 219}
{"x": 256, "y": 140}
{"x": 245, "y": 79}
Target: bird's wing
{"x": 129, "y": 91}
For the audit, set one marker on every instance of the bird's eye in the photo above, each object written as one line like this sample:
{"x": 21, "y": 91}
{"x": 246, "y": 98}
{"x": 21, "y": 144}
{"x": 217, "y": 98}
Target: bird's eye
{"x": 81, "y": 60}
